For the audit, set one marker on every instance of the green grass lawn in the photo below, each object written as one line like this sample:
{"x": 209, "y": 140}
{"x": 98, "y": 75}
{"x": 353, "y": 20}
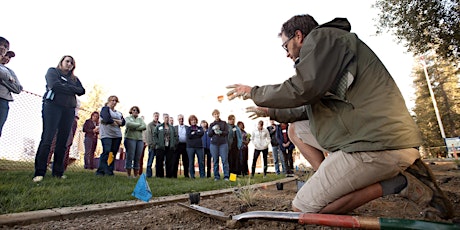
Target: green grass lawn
{"x": 19, "y": 194}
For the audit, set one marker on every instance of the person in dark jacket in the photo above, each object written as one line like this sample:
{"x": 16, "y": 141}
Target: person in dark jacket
{"x": 244, "y": 151}
{"x": 277, "y": 154}
{"x": 58, "y": 114}
{"x": 286, "y": 147}
{"x": 91, "y": 130}
{"x": 206, "y": 148}
{"x": 342, "y": 100}
{"x": 218, "y": 132}
{"x": 149, "y": 133}
{"x": 165, "y": 142}
{"x": 194, "y": 133}
{"x": 235, "y": 143}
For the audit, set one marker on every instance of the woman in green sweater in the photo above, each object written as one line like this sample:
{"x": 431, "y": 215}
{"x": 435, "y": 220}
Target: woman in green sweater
{"x": 133, "y": 140}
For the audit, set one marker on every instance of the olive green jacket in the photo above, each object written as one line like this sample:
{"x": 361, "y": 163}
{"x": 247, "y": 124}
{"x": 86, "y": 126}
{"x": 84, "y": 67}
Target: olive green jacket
{"x": 159, "y": 137}
{"x": 370, "y": 116}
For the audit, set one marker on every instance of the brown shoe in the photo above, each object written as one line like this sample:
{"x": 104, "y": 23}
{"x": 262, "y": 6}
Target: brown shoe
{"x": 438, "y": 201}
{"x": 416, "y": 191}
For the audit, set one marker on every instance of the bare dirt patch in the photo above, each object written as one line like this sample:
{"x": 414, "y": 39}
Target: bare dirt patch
{"x": 172, "y": 216}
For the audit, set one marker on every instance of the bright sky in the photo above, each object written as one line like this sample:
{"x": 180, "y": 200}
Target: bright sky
{"x": 176, "y": 56}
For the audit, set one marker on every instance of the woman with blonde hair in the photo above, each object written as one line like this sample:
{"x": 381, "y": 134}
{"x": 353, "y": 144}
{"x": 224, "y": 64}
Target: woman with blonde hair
{"x": 218, "y": 131}
{"x": 110, "y": 132}
{"x": 58, "y": 114}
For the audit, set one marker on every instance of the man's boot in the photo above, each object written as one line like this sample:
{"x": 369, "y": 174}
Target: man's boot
{"x": 416, "y": 191}
{"x": 438, "y": 204}
{"x": 128, "y": 171}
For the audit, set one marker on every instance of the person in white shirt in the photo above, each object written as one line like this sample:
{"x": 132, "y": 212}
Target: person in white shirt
{"x": 181, "y": 151}
{"x": 261, "y": 139}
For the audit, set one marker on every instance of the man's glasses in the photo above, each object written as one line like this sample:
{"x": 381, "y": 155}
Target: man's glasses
{"x": 284, "y": 45}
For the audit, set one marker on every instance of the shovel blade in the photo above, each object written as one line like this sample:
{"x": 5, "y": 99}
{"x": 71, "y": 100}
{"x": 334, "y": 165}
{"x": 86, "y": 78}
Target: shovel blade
{"x": 269, "y": 215}
{"x": 207, "y": 212}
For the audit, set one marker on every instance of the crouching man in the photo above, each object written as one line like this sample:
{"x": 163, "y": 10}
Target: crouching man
{"x": 343, "y": 100}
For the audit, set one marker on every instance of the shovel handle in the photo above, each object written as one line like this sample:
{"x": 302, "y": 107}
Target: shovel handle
{"x": 339, "y": 220}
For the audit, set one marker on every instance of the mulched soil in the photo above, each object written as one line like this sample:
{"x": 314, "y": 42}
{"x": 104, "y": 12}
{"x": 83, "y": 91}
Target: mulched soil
{"x": 173, "y": 216}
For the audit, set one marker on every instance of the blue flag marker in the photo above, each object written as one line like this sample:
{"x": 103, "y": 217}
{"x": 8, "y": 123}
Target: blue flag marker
{"x": 142, "y": 189}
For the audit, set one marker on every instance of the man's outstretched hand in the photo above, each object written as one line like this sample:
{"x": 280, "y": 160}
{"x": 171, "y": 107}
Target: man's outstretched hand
{"x": 238, "y": 90}
{"x": 257, "y": 112}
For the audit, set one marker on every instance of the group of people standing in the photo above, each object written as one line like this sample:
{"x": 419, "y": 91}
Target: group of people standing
{"x": 211, "y": 144}
{"x": 107, "y": 126}
{"x": 109, "y": 129}
{"x": 227, "y": 141}
{"x": 59, "y": 109}
{"x": 169, "y": 144}
{"x": 282, "y": 147}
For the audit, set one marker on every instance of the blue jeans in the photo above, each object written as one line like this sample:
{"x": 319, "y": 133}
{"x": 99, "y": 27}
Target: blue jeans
{"x": 222, "y": 151}
{"x": 55, "y": 119}
{"x": 4, "y": 108}
{"x": 278, "y": 154}
{"x": 191, "y": 161}
{"x": 133, "y": 153}
{"x": 150, "y": 162}
{"x": 108, "y": 145}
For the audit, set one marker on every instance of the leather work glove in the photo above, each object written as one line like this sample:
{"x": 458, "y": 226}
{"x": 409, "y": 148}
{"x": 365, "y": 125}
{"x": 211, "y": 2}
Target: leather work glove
{"x": 257, "y": 112}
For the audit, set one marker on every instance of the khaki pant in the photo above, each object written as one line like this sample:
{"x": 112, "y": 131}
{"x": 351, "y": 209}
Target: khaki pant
{"x": 342, "y": 173}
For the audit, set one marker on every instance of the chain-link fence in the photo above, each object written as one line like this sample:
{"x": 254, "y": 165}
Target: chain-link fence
{"x": 22, "y": 131}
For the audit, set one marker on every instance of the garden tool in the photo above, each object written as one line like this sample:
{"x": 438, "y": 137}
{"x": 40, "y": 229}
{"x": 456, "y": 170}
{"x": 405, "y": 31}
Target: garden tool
{"x": 332, "y": 220}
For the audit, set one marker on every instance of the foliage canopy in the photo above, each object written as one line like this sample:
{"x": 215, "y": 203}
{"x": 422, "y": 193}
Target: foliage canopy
{"x": 422, "y": 25}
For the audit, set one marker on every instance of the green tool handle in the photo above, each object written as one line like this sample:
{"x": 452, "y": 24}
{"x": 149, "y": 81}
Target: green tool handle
{"x": 372, "y": 222}
{"x": 387, "y": 223}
